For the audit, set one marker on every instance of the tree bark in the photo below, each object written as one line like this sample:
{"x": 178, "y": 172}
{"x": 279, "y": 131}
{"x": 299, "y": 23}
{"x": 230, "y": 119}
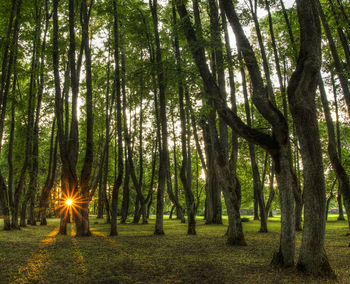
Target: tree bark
{"x": 301, "y": 95}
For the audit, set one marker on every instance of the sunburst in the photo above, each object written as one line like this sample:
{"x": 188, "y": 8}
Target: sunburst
{"x": 71, "y": 203}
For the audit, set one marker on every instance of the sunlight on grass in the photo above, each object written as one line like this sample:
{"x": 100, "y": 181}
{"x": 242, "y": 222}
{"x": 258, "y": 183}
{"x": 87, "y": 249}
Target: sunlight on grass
{"x": 78, "y": 257}
{"x": 33, "y": 269}
{"x": 136, "y": 255}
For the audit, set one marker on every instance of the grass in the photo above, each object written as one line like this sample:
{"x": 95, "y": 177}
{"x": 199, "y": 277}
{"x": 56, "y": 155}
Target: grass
{"x": 37, "y": 254}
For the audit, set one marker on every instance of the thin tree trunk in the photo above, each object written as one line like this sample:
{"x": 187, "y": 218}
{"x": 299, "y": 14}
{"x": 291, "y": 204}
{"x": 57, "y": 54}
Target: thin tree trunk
{"x": 126, "y": 189}
{"x": 329, "y": 199}
{"x": 44, "y": 198}
{"x": 339, "y": 196}
{"x": 337, "y": 166}
{"x": 174, "y": 197}
{"x": 337, "y": 63}
{"x": 163, "y": 120}
{"x": 257, "y": 185}
{"x": 119, "y": 179}
{"x": 29, "y": 141}
{"x": 262, "y": 51}
{"x": 6, "y": 49}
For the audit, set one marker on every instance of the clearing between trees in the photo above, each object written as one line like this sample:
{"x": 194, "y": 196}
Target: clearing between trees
{"x": 38, "y": 254}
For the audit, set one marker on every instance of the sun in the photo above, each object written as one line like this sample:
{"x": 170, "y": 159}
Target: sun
{"x": 69, "y": 201}
{"x": 70, "y": 204}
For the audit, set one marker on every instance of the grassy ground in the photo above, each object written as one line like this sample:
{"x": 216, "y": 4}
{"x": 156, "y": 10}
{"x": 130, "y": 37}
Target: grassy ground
{"x": 37, "y": 254}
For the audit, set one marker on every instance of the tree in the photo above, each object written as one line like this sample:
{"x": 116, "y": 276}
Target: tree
{"x": 301, "y": 96}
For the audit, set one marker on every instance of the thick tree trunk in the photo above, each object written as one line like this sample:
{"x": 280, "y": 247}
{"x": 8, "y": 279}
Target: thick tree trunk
{"x": 213, "y": 195}
{"x": 285, "y": 256}
{"x": 301, "y": 95}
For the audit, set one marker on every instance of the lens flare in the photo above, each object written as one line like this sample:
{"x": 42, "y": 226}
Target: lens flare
{"x": 70, "y": 203}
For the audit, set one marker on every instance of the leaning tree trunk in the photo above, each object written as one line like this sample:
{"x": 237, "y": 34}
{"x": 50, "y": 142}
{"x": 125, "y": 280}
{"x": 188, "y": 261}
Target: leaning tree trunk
{"x": 301, "y": 94}
{"x": 338, "y": 168}
{"x": 339, "y": 196}
{"x": 275, "y": 145}
{"x": 297, "y": 190}
{"x": 257, "y": 185}
{"x": 337, "y": 62}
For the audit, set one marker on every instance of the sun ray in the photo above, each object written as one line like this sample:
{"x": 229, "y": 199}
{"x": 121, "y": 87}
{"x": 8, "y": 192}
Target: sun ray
{"x": 71, "y": 203}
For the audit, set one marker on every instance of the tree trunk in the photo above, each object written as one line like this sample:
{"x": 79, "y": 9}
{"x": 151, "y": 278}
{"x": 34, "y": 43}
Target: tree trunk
{"x": 276, "y": 145}
{"x": 337, "y": 63}
{"x": 119, "y": 178}
{"x": 6, "y": 69}
{"x": 6, "y": 49}
{"x": 44, "y": 198}
{"x": 259, "y": 201}
{"x": 301, "y": 95}
{"x": 174, "y": 197}
{"x": 126, "y": 190}
{"x": 29, "y": 140}
{"x": 163, "y": 121}
{"x": 329, "y": 199}
{"x": 82, "y": 220}
{"x": 337, "y": 166}
{"x": 339, "y": 197}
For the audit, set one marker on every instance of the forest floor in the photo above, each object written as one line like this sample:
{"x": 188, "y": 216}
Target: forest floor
{"x": 37, "y": 254}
